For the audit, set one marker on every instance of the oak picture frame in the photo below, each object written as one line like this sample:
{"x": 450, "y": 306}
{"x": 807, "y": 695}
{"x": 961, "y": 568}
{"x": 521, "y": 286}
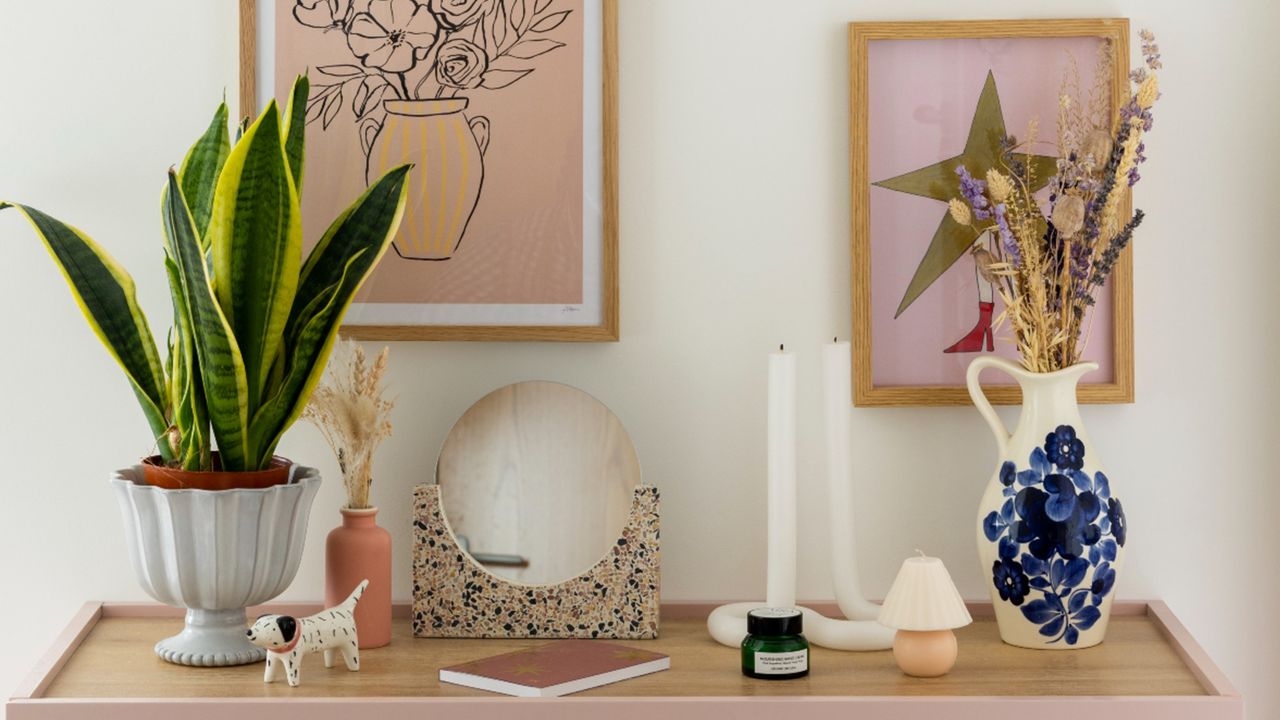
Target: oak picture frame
{"x": 608, "y": 329}
{"x": 866, "y": 392}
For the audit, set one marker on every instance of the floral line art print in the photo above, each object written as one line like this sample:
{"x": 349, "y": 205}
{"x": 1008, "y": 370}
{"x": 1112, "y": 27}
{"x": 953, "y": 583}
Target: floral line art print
{"x": 1056, "y": 524}
{"x": 413, "y": 64}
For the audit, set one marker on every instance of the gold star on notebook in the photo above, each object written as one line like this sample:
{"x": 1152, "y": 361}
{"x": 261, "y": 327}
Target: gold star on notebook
{"x": 633, "y": 655}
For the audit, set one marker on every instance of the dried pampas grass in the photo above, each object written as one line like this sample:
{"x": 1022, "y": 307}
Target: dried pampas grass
{"x": 351, "y": 413}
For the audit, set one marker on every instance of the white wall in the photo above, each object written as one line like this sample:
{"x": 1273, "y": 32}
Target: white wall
{"x": 734, "y": 238}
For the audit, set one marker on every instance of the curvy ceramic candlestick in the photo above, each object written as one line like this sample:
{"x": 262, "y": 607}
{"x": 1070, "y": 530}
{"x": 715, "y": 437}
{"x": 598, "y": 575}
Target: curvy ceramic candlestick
{"x": 728, "y": 623}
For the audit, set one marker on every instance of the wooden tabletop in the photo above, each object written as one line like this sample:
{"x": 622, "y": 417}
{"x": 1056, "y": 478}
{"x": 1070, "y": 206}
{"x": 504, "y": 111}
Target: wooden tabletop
{"x": 116, "y": 661}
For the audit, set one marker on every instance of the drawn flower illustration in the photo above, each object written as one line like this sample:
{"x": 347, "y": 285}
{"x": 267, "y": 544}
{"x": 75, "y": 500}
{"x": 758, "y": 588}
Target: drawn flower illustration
{"x": 457, "y": 13}
{"x": 1047, "y": 536}
{"x": 1115, "y": 516}
{"x": 1098, "y": 484}
{"x": 322, "y": 14}
{"x": 393, "y": 35}
{"x": 1061, "y": 621}
{"x": 1008, "y": 472}
{"x": 422, "y": 54}
{"x": 1104, "y": 578}
{"x": 423, "y": 50}
{"x": 1010, "y": 581}
{"x": 997, "y": 523}
{"x": 461, "y": 64}
{"x": 1069, "y": 525}
{"x": 1064, "y": 448}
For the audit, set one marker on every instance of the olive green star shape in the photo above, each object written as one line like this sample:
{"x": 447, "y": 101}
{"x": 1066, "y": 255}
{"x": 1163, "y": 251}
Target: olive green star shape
{"x": 940, "y": 182}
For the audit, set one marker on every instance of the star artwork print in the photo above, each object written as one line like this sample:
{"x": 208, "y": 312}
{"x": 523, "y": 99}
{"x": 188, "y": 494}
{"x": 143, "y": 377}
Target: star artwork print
{"x": 941, "y": 113}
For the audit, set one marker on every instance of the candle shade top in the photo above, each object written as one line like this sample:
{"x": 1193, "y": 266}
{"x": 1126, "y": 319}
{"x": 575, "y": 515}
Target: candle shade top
{"x": 924, "y": 598}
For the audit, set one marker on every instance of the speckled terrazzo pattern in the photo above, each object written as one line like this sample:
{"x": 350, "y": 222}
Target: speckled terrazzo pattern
{"x": 453, "y": 596}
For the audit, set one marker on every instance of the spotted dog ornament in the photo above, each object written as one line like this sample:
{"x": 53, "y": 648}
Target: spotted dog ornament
{"x": 287, "y": 639}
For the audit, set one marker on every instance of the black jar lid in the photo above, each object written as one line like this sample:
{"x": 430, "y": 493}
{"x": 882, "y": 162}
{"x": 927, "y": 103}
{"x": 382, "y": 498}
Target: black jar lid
{"x": 775, "y": 621}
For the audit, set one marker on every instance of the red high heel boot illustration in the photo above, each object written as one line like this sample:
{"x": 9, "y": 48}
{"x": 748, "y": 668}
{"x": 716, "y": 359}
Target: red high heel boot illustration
{"x": 981, "y": 332}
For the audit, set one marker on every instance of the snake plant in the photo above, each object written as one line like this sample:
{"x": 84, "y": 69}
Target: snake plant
{"x": 253, "y": 322}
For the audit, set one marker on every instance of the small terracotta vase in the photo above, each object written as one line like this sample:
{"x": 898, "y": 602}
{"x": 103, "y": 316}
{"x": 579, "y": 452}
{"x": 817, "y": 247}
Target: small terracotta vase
{"x": 361, "y": 550}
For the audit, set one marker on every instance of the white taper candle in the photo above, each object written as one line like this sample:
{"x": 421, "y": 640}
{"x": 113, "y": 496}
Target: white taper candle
{"x": 837, "y": 370}
{"x": 781, "y": 584}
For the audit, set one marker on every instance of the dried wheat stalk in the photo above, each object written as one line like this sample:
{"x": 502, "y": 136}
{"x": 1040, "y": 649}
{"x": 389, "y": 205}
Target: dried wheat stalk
{"x": 349, "y": 409}
{"x": 1051, "y": 260}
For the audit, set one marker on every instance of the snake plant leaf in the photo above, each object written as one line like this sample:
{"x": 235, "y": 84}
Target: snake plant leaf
{"x": 221, "y": 365}
{"x": 337, "y": 267}
{"x": 256, "y": 238}
{"x": 201, "y": 167}
{"x": 186, "y": 394}
{"x": 295, "y": 128}
{"x": 362, "y": 225}
{"x": 106, "y": 295}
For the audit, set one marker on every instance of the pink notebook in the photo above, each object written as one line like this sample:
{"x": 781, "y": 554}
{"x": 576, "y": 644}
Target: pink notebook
{"x": 558, "y": 668}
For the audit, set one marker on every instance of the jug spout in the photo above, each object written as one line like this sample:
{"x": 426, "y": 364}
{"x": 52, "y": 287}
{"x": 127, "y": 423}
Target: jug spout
{"x": 1043, "y": 394}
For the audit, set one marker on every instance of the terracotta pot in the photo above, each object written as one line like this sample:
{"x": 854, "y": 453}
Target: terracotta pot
{"x": 361, "y": 550}
{"x": 155, "y": 473}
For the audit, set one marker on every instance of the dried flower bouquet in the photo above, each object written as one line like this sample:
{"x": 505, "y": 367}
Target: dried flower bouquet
{"x": 349, "y": 409}
{"x": 1049, "y": 261}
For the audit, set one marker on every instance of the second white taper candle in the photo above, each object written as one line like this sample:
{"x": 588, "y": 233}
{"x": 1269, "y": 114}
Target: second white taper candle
{"x": 781, "y": 583}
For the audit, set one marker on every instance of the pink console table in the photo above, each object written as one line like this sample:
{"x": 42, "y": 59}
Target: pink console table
{"x": 102, "y": 668}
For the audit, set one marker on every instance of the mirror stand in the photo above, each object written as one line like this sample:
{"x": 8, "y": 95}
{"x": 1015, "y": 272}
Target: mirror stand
{"x": 455, "y": 596}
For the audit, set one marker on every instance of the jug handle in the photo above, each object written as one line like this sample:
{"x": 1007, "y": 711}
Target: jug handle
{"x": 480, "y": 128}
{"x": 980, "y": 399}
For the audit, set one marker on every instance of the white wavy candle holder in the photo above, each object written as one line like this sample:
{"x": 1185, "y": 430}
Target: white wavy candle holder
{"x": 727, "y": 624}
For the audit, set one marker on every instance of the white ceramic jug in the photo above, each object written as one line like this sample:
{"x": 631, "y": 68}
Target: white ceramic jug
{"x": 1051, "y": 531}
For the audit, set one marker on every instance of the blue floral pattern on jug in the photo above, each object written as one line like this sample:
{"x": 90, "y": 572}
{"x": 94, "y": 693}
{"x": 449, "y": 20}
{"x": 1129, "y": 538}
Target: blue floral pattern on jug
{"x": 1057, "y": 522}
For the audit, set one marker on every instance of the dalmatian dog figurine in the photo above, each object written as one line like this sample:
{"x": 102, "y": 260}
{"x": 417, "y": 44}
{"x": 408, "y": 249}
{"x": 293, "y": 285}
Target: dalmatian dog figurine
{"x": 287, "y": 639}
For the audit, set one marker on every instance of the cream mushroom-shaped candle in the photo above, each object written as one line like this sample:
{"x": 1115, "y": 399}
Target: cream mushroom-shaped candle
{"x": 924, "y": 607}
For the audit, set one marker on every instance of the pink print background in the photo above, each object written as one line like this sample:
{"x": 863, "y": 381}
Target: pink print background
{"x": 922, "y": 95}
{"x": 524, "y": 245}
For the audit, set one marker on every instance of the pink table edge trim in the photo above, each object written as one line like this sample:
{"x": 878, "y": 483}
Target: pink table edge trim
{"x": 64, "y": 646}
{"x": 1193, "y": 655}
{"x": 642, "y": 708}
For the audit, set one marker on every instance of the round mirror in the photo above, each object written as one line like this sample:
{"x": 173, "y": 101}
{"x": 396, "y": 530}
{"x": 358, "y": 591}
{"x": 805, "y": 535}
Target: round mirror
{"x": 536, "y": 481}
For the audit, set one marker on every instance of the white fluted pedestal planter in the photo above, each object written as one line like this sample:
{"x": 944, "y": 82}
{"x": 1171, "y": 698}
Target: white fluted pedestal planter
{"x": 214, "y": 553}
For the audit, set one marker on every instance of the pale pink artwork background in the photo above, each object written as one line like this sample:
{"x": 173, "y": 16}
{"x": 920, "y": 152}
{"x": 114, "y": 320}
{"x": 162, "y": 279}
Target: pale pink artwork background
{"x": 524, "y": 244}
{"x": 921, "y": 99}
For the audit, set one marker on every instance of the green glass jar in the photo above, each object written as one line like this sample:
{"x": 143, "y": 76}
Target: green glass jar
{"x": 775, "y": 648}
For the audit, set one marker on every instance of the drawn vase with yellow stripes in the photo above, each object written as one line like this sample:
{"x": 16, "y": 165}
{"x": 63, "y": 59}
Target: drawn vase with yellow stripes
{"x": 447, "y": 151}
